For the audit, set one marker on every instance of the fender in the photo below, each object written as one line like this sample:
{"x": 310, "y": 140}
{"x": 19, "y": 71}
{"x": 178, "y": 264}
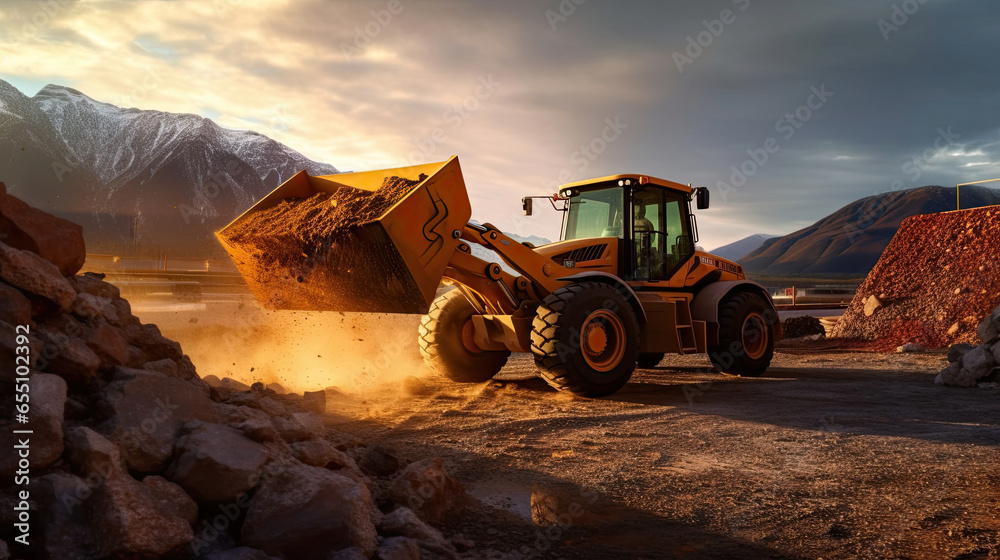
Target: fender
{"x": 612, "y": 280}
{"x": 705, "y": 306}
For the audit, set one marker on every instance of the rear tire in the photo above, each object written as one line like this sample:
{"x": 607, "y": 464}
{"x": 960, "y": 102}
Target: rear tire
{"x": 585, "y": 339}
{"x": 446, "y": 342}
{"x": 649, "y": 360}
{"x": 746, "y": 335}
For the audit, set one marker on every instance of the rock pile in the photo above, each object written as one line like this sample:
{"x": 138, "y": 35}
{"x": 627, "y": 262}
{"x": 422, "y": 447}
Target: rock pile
{"x": 798, "y": 327}
{"x": 971, "y": 365}
{"x": 133, "y": 455}
{"x": 938, "y": 276}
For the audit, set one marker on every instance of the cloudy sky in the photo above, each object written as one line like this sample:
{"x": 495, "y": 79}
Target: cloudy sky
{"x": 834, "y": 100}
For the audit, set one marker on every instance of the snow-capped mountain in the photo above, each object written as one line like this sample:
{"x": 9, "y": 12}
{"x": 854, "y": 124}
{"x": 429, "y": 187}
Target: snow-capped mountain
{"x": 132, "y": 177}
{"x": 739, "y": 249}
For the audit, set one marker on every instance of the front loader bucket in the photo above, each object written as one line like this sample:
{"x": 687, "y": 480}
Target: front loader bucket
{"x": 387, "y": 263}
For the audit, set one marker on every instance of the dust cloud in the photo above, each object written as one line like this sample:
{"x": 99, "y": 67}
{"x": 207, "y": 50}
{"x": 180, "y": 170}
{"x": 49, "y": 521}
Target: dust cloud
{"x": 357, "y": 353}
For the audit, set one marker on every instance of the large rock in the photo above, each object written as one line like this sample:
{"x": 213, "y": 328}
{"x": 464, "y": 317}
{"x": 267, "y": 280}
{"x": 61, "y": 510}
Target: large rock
{"x": 56, "y": 240}
{"x": 302, "y": 512}
{"x": 31, "y": 273}
{"x": 989, "y": 328}
{"x": 63, "y": 352}
{"x": 93, "y": 283}
{"x": 14, "y": 307}
{"x": 428, "y": 489}
{"x": 48, "y": 401}
{"x": 956, "y": 376}
{"x": 300, "y": 426}
{"x": 109, "y": 345}
{"x": 979, "y": 362}
{"x": 254, "y": 423}
{"x": 379, "y": 461}
{"x": 871, "y": 305}
{"x": 403, "y": 522}
{"x": 132, "y": 521}
{"x": 147, "y": 410}
{"x": 318, "y": 453}
{"x": 958, "y": 351}
{"x": 117, "y": 517}
{"x": 91, "y": 453}
{"x": 89, "y": 306}
{"x": 171, "y": 499}
{"x": 216, "y": 463}
{"x": 148, "y": 338}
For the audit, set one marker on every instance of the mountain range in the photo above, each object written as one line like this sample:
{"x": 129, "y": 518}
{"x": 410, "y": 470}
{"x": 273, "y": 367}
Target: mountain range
{"x": 136, "y": 179}
{"x": 850, "y": 240}
{"x": 738, "y": 249}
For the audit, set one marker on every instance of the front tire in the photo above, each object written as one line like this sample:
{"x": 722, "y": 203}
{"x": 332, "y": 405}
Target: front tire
{"x": 746, "y": 335}
{"x": 447, "y": 345}
{"x": 585, "y": 339}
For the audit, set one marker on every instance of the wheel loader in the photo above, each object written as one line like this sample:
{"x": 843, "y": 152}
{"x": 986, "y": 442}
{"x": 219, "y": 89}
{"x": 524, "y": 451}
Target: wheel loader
{"x": 624, "y": 286}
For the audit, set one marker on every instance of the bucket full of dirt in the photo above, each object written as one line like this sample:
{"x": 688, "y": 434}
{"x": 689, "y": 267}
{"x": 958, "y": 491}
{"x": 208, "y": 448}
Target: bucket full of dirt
{"x": 375, "y": 241}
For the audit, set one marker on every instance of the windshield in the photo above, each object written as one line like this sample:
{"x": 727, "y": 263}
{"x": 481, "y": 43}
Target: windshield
{"x": 594, "y": 213}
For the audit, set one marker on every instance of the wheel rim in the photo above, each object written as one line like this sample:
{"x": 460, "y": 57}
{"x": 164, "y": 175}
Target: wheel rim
{"x": 602, "y": 340}
{"x": 754, "y": 336}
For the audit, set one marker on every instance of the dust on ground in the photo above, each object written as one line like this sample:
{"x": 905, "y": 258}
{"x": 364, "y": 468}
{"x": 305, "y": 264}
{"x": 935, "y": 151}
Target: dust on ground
{"x": 353, "y": 353}
{"x": 834, "y": 454}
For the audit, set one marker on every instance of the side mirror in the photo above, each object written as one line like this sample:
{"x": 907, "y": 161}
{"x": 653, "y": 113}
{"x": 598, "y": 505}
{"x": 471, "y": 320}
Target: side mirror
{"x": 527, "y": 205}
{"x": 702, "y": 196}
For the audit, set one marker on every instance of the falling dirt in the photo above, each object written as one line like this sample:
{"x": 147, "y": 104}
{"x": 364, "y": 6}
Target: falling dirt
{"x": 326, "y": 252}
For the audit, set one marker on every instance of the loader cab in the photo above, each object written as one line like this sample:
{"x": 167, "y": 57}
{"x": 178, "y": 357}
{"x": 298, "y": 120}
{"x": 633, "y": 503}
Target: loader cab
{"x": 651, "y": 218}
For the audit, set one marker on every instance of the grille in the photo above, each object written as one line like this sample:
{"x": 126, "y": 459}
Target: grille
{"x": 582, "y": 254}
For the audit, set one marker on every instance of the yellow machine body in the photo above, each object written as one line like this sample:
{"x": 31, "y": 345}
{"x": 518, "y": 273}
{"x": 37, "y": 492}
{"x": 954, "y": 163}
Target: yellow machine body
{"x": 424, "y": 240}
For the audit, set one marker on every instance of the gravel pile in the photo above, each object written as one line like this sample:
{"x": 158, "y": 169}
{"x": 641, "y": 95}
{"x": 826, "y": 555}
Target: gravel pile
{"x": 133, "y": 455}
{"x": 935, "y": 280}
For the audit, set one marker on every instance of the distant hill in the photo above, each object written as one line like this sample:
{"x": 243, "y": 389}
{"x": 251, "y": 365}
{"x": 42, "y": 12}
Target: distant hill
{"x": 136, "y": 180}
{"x": 850, "y": 240}
{"x": 738, "y": 249}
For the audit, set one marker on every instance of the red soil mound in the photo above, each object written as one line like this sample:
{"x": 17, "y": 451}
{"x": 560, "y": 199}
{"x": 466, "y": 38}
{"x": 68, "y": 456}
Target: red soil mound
{"x": 936, "y": 280}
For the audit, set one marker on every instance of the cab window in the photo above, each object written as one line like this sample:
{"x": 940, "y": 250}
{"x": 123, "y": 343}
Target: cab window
{"x": 595, "y": 213}
{"x": 661, "y": 239}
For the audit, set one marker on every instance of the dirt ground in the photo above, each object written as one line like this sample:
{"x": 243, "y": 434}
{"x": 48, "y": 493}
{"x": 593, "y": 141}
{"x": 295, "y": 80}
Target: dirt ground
{"x": 834, "y": 454}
